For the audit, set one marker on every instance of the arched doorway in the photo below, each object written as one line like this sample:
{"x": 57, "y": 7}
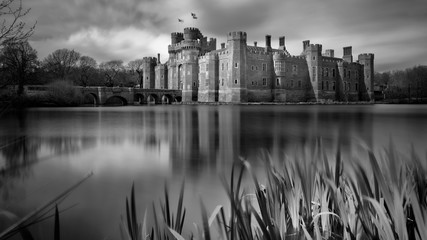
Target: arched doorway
{"x": 116, "y": 101}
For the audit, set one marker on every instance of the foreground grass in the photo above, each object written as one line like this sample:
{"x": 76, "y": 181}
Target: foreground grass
{"x": 307, "y": 196}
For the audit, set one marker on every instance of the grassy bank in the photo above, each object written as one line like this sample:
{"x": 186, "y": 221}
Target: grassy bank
{"x": 306, "y": 196}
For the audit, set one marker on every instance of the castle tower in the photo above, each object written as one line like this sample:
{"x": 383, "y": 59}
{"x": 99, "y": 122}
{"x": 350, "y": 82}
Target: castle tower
{"x": 188, "y": 67}
{"x": 148, "y": 66}
{"x": 367, "y": 60}
{"x": 161, "y": 73}
{"x": 208, "y": 78}
{"x": 347, "y": 54}
{"x": 279, "y": 91}
{"x": 314, "y": 64}
{"x": 234, "y": 89}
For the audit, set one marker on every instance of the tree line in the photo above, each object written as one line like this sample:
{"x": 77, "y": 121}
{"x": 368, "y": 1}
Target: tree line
{"x": 19, "y": 65}
{"x": 410, "y": 83}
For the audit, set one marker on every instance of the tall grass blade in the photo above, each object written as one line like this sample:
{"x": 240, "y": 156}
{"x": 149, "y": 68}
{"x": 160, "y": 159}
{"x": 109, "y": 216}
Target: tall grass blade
{"x": 57, "y": 233}
{"x": 32, "y": 217}
{"x": 206, "y": 232}
{"x": 176, "y": 234}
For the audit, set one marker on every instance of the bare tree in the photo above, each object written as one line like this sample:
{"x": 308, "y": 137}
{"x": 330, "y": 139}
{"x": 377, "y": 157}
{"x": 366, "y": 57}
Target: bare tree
{"x": 61, "y": 62}
{"x": 19, "y": 60}
{"x": 136, "y": 67}
{"x": 86, "y": 65}
{"x": 12, "y": 28}
{"x": 111, "y": 69}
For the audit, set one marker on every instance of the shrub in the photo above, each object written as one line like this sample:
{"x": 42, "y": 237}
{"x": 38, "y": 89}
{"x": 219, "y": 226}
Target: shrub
{"x": 63, "y": 93}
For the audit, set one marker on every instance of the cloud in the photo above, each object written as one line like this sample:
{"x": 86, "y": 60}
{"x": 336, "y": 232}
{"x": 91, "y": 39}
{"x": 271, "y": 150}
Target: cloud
{"x": 125, "y": 44}
{"x": 126, "y": 29}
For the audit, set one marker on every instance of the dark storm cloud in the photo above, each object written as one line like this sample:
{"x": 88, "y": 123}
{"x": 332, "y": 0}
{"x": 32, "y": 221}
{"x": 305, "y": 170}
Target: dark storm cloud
{"x": 61, "y": 18}
{"x": 392, "y": 29}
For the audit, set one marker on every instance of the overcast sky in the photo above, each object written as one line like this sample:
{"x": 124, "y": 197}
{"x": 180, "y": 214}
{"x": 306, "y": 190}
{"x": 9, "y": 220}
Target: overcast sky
{"x": 394, "y": 30}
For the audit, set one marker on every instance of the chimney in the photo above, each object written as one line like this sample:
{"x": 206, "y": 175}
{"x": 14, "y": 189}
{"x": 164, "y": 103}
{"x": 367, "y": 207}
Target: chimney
{"x": 268, "y": 41}
{"x": 222, "y": 45}
{"x": 348, "y": 55}
{"x": 281, "y": 41}
{"x": 329, "y": 53}
{"x": 158, "y": 58}
{"x": 305, "y": 44}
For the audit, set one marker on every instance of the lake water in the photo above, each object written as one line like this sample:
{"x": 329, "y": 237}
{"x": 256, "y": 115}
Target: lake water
{"x": 44, "y": 151}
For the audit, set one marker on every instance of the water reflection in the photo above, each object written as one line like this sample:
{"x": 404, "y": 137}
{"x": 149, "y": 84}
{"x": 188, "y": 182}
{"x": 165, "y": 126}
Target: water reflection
{"x": 49, "y": 149}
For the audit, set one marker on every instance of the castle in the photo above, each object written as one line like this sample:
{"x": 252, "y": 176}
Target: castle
{"x": 238, "y": 72}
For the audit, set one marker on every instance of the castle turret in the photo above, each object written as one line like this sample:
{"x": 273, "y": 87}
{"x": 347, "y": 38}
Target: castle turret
{"x": 191, "y": 33}
{"x": 148, "y": 72}
{"x": 347, "y": 54}
{"x": 305, "y": 44}
{"x": 161, "y": 74}
{"x": 314, "y": 63}
{"x": 176, "y": 37}
{"x": 234, "y": 89}
{"x": 367, "y": 60}
{"x": 329, "y": 53}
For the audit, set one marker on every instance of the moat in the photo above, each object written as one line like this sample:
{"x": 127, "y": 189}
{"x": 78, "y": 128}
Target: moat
{"x": 45, "y": 150}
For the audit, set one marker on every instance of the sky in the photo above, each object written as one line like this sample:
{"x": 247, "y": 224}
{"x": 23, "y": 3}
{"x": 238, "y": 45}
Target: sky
{"x": 394, "y": 30}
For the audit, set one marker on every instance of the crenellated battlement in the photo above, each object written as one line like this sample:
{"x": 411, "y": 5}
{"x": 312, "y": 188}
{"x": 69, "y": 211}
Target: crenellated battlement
{"x": 209, "y": 56}
{"x": 239, "y": 35}
{"x": 149, "y": 59}
{"x": 366, "y": 56}
{"x": 315, "y": 47}
{"x": 259, "y": 52}
{"x": 192, "y": 33}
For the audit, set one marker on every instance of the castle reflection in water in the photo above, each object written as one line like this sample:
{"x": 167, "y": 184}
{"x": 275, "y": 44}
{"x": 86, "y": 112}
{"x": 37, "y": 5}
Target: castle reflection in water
{"x": 186, "y": 139}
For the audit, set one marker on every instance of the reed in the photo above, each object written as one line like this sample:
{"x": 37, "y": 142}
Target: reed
{"x": 313, "y": 196}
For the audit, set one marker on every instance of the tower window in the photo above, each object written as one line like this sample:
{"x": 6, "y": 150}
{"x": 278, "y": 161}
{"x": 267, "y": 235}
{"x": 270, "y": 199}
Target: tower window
{"x": 194, "y": 84}
{"x": 235, "y": 81}
{"x": 333, "y": 85}
{"x": 264, "y": 81}
{"x": 222, "y": 82}
{"x": 252, "y": 67}
{"x": 236, "y": 65}
{"x": 264, "y": 67}
{"x": 222, "y": 66}
{"x": 294, "y": 68}
{"x": 314, "y": 58}
{"x": 333, "y": 72}
{"x": 278, "y": 82}
{"x": 357, "y": 87}
{"x": 327, "y": 85}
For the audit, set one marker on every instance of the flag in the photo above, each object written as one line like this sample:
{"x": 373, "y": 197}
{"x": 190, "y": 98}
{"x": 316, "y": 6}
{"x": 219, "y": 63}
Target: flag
{"x": 194, "y": 15}
{"x": 180, "y": 20}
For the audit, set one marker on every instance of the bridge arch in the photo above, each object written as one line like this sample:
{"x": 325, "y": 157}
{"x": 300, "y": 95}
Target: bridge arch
{"x": 178, "y": 99}
{"x": 152, "y": 98}
{"x": 139, "y": 98}
{"x": 167, "y": 99}
{"x": 91, "y": 98}
{"x": 116, "y": 100}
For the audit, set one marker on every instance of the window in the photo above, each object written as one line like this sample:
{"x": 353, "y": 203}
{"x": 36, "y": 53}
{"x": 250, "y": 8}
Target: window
{"x": 194, "y": 84}
{"x": 264, "y": 81}
{"x": 264, "y": 67}
{"x": 327, "y": 72}
{"x": 278, "y": 82}
{"x": 253, "y": 83}
{"x": 294, "y": 68}
{"x": 222, "y": 66}
{"x": 333, "y": 72}
{"x": 314, "y": 57}
{"x": 236, "y": 65}
{"x": 323, "y": 72}
{"x": 235, "y": 81}
{"x": 256, "y": 68}
{"x": 349, "y": 73}
{"x": 327, "y": 85}
{"x": 299, "y": 84}
{"x": 333, "y": 85}
{"x": 252, "y": 67}
{"x": 222, "y": 82}
{"x": 356, "y": 87}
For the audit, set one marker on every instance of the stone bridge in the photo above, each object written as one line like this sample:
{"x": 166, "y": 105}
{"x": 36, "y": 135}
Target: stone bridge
{"x": 129, "y": 96}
